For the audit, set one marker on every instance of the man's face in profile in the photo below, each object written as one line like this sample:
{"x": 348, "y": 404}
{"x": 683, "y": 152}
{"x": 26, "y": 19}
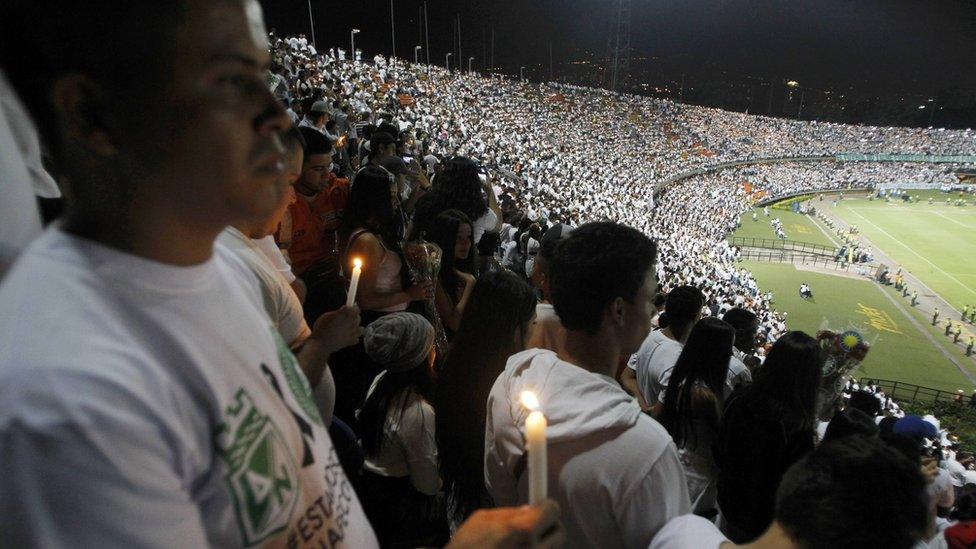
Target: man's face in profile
{"x": 224, "y": 158}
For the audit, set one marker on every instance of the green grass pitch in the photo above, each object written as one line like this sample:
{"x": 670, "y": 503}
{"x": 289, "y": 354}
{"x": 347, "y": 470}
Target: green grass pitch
{"x": 900, "y": 349}
{"x": 934, "y": 241}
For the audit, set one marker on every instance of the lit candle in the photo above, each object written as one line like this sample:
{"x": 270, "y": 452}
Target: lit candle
{"x": 357, "y": 270}
{"x": 535, "y": 446}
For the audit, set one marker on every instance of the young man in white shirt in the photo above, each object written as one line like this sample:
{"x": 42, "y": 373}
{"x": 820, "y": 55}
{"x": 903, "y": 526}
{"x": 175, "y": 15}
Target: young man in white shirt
{"x": 280, "y": 301}
{"x": 146, "y": 399}
{"x": 649, "y": 369}
{"x": 614, "y": 471}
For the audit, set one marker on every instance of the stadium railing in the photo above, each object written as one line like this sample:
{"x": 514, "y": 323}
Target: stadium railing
{"x": 778, "y": 244}
{"x": 797, "y": 258}
{"x": 900, "y": 391}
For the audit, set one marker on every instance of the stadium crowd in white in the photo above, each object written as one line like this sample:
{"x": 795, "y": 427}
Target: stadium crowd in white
{"x": 236, "y": 335}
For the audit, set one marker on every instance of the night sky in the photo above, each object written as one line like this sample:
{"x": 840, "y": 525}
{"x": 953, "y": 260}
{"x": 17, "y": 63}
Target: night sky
{"x": 876, "y": 46}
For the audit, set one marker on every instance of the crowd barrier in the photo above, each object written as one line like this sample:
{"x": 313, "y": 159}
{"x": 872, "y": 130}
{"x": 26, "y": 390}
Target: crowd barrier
{"x": 779, "y": 244}
{"x": 796, "y": 258}
{"x": 900, "y": 391}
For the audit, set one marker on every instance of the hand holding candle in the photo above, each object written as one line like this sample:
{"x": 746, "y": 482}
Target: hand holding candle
{"x": 357, "y": 271}
{"x": 535, "y": 446}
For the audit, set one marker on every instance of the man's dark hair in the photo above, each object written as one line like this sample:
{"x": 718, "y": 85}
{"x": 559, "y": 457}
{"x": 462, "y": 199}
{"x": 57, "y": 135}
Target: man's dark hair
{"x": 387, "y": 128}
{"x": 379, "y": 139}
{"x": 745, "y": 323}
{"x": 128, "y": 51}
{"x": 683, "y": 306}
{"x": 850, "y": 422}
{"x": 598, "y": 263}
{"x": 315, "y": 142}
{"x": 865, "y": 402}
{"x": 853, "y": 492}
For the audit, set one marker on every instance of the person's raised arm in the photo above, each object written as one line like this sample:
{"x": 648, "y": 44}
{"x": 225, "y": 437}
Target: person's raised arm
{"x": 450, "y": 312}
{"x": 419, "y": 186}
{"x": 493, "y": 206}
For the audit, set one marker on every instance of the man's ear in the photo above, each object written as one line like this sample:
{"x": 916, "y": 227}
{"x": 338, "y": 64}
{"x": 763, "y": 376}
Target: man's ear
{"x": 617, "y": 311}
{"x": 81, "y": 113}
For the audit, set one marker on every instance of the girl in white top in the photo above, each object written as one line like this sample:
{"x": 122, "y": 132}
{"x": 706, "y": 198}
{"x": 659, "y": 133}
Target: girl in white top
{"x": 692, "y": 404}
{"x": 400, "y": 477}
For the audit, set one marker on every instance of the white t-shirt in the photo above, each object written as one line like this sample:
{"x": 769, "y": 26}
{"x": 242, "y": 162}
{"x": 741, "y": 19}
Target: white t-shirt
{"x": 738, "y": 374}
{"x": 270, "y": 249}
{"x": 485, "y": 223}
{"x": 147, "y": 405}
{"x": 653, "y": 363}
{"x": 688, "y": 532}
{"x": 547, "y": 331}
{"x": 409, "y": 447}
{"x": 279, "y": 299}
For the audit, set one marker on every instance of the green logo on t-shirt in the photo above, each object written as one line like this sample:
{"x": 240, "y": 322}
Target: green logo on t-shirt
{"x": 262, "y": 475}
{"x": 296, "y": 379}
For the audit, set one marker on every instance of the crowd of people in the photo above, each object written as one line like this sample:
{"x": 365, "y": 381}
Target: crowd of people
{"x": 305, "y": 305}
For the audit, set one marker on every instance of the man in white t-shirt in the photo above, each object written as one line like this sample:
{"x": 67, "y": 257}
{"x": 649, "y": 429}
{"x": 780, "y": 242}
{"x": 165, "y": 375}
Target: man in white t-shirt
{"x": 649, "y": 369}
{"x": 147, "y": 399}
{"x": 746, "y": 325}
{"x": 280, "y": 301}
{"x": 614, "y": 470}
{"x": 852, "y": 492}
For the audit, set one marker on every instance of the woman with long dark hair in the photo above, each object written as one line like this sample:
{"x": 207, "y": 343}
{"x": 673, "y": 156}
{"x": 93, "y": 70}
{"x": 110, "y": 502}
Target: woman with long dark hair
{"x": 767, "y": 427}
{"x": 460, "y": 187}
{"x": 692, "y": 407}
{"x": 369, "y": 231}
{"x": 495, "y": 326}
{"x": 451, "y": 230}
{"x": 400, "y": 478}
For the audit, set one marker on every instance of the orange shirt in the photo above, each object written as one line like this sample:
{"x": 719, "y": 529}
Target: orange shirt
{"x": 314, "y": 223}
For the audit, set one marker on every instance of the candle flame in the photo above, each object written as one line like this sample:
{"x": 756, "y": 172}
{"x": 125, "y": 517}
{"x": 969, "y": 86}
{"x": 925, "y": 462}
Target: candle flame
{"x": 357, "y": 263}
{"x": 529, "y": 400}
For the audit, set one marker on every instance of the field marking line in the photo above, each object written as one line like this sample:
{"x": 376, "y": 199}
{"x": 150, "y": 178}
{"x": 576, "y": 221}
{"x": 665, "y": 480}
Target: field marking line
{"x": 816, "y": 224}
{"x": 936, "y": 267}
{"x": 914, "y": 321}
{"x": 960, "y": 223}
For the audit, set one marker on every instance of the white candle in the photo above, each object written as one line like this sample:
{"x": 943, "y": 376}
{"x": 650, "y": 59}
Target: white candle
{"x": 535, "y": 446}
{"x": 357, "y": 270}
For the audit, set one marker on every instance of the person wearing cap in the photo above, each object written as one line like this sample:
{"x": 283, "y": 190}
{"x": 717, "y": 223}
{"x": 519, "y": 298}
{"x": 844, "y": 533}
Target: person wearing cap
{"x": 400, "y": 473}
{"x": 316, "y": 117}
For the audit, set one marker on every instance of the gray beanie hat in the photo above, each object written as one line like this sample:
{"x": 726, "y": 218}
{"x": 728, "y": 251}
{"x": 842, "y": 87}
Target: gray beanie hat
{"x": 400, "y": 341}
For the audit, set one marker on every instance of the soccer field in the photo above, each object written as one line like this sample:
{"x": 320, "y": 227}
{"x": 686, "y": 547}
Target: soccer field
{"x": 935, "y": 242}
{"x": 904, "y": 347}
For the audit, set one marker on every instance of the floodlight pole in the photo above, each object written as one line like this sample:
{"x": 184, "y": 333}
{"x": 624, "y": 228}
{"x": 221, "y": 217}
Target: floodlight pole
{"x": 352, "y": 44}
{"x": 311, "y": 23}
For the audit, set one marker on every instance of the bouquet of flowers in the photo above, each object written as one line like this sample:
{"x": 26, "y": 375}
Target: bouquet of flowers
{"x": 843, "y": 353}
{"x": 424, "y": 262}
